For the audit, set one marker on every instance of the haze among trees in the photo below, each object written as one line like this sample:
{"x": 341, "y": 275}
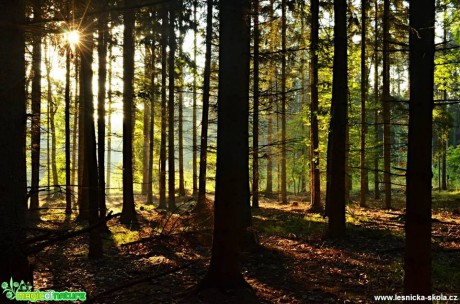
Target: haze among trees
{"x": 231, "y": 151}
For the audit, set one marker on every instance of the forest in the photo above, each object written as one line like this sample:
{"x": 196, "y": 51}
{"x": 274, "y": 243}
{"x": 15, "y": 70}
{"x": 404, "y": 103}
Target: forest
{"x": 230, "y": 151}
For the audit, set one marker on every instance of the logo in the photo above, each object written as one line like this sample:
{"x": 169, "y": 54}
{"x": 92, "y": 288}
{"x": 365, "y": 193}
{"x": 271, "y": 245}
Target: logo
{"x": 23, "y": 292}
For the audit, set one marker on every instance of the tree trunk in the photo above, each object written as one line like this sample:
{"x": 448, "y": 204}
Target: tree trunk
{"x": 386, "y": 105}
{"x": 376, "y": 100}
{"x": 194, "y": 119}
{"x": 36, "y": 107}
{"x": 336, "y": 209}
{"x": 283, "y": 103}
{"x": 13, "y": 181}
{"x": 90, "y": 173}
{"x": 164, "y": 44}
{"x": 109, "y": 120}
{"x": 315, "y": 182}
{"x": 417, "y": 259}
{"x": 205, "y": 110}
{"x": 181, "y": 103}
{"x": 152, "y": 121}
{"x": 171, "y": 156}
{"x": 75, "y": 129}
{"x": 444, "y": 162}
{"x": 128, "y": 211}
{"x": 255, "y": 128}
{"x": 68, "y": 193}
{"x": 363, "y": 169}
{"x": 101, "y": 99}
{"x": 232, "y": 177}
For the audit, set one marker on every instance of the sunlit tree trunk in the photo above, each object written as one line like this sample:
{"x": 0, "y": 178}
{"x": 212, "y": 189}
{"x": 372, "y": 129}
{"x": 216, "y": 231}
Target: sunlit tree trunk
{"x": 376, "y": 102}
{"x": 171, "y": 148}
{"x": 337, "y": 145}
{"x": 164, "y": 45}
{"x": 363, "y": 164}
{"x": 75, "y": 140}
{"x": 128, "y": 211}
{"x": 152, "y": 120}
{"x": 194, "y": 119}
{"x": 109, "y": 118}
{"x": 417, "y": 258}
{"x": 181, "y": 102}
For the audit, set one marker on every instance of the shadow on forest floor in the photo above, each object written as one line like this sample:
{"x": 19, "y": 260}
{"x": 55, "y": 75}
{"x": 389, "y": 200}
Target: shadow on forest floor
{"x": 295, "y": 263}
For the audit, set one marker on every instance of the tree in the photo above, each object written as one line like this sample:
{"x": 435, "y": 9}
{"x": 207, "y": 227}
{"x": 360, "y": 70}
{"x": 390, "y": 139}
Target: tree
{"x": 255, "y": 128}
{"x": 36, "y": 107}
{"x": 181, "y": 100}
{"x": 194, "y": 118}
{"x": 338, "y": 129}
{"x": 164, "y": 45}
{"x": 128, "y": 211}
{"x": 232, "y": 176}
{"x": 315, "y": 181}
{"x": 417, "y": 258}
{"x": 283, "y": 103}
{"x": 13, "y": 262}
{"x": 386, "y": 104}
{"x": 363, "y": 169}
{"x": 172, "y": 68}
{"x": 205, "y": 110}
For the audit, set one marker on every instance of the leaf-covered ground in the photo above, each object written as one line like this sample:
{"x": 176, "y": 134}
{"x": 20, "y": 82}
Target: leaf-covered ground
{"x": 294, "y": 264}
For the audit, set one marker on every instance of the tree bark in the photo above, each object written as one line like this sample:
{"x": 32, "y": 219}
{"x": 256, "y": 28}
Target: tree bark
{"x": 194, "y": 119}
{"x": 283, "y": 103}
{"x": 417, "y": 258}
{"x": 386, "y": 105}
{"x": 171, "y": 148}
{"x": 315, "y": 182}
{"x": 181, "y": 102}
{"x": 128, "y": 212}
{"x": 205, "y": 111}
{"x": 13, "y": 181}
{"x": 363, "y": 164}
{"x": 336, "y": 209}
{"x": 232, "y": 177}
{"x": 164, "y": 44}
{"x": 376, "y": 100}
{"x": 255, "y": 128}
{"x": 36, "y": 107}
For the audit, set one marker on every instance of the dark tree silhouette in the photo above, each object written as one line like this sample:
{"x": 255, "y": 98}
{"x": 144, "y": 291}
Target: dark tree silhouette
{"x": 417, "y": 259}
{"x": 232, "y": 179}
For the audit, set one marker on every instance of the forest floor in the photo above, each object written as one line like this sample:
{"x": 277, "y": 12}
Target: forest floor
{"x": 295, "y": 263}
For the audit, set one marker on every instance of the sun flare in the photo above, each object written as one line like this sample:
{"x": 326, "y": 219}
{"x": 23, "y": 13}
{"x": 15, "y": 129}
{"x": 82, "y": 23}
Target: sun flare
{"x": 72, "y": 37}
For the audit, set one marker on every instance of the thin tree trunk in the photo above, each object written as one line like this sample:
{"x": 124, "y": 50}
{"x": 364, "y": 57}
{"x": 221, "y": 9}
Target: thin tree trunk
{"x": 181, "y": 104}
{"x": 417, "y": 258}
{"x": 315, "y": 182}
{"x": 336, "y": 209}
{"x": 109, "y": 121}
{"x": 36, "y": 107}
{"x": 363, "y": 169}
{"x": 444, "y": 162}
{"x": 128, "y": 211}
{"x": 194, "y": 121}
{"x": 205, "y": 110}
{"x": 386, "y": 106}
{"x": 152, "y": 122}
{"x": 101, "y": 99}
{"x": 171, "y": 148}
{"x": 255, "y": 128}
{"x": 75, "y": 128}
{"x": 164, "y": 44}
{"x": 68, "y": 194}
{"x": 376, "y": 100}
{"x": 283, "y": 103}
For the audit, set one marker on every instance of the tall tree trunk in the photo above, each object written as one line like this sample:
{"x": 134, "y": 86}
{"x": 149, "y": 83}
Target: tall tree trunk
{"x": 363, "y": 169}
{"x": 109, "y": 120}
{"x": 205, "y": 110}
{"x": 283, "y": 103}
{"x": 13, "y": 181}
{"x": 36, "y": 107}
{"x": 336, "y": 209}
{"x": 171, "y": 148}
{"x": 152, "y": 121}
{"x": 89, "y": 175}
{"x": 386, "y": 105}
{"x": 164, "y": 44}
{"x": 255, "y": 128}
{"x": 181, "y": 102}
{"x": 232, "y": 176}
{"x": 269, "y": 187}
{"x": 128, "y": 211}
{"x": 194, "y": 119}
{"x": 146, "y": 135}
{"x": 376, "y": 100}
{"x": 101, "y": 99}
{"x": 417, "y": 259}
{"x": 315, "y": 182}
{"x": 68, "y": 193}
{"x": 444, "y": 161}
{"x": 75, "y": 129}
